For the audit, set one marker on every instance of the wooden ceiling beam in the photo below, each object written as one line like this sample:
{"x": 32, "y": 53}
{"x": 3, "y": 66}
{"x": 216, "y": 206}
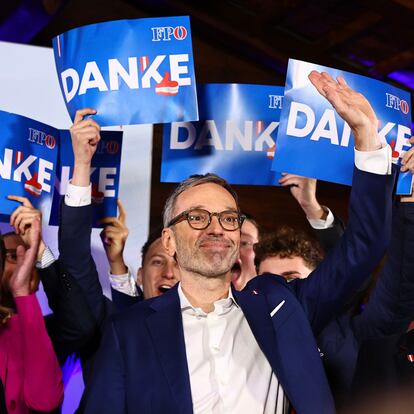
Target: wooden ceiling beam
{"x": 340, "y": 35}
{"x": 398, "y": 61}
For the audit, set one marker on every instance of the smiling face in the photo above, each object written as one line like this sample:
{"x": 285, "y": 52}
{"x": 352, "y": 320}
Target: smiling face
{"x": 210, "y": 252}
{"x": 289, "y": 267}
{"x": 159, "y": 271}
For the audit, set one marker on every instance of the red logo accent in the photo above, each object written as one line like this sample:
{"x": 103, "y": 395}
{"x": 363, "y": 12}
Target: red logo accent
{"x": 97, "y": 196}
{"x": 33, "y": 187}
{"x": 259, "y": 127}
{"x": 404, "y": 107}
{"x": 112, "y": 147}
{"x": 180, "y": 32}
{"x": 144, "y": 63}
{"x": 167, "y": 87}
{"x": 18, "y": 156}
{"x": 50, "y": 141}
{"x": 395, "y": 154}
{"x": 271, "y": 152}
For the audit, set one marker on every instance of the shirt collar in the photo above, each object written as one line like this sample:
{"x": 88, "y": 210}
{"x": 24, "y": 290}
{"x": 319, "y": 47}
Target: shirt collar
{"x": 221, "y": 306}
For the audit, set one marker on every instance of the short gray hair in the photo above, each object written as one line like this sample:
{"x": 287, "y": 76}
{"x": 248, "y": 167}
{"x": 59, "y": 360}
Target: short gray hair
{"x": 193, "y": 181}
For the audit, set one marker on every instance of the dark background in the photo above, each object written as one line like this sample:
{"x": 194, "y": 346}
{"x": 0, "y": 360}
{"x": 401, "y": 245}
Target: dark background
{"x": 249, "y": 41}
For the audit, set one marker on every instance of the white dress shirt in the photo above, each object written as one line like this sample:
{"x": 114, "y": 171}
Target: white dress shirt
{"x": 228, "y": 371}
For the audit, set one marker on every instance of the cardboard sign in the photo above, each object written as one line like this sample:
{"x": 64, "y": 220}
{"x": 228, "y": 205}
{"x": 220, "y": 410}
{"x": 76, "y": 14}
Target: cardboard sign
{"x": 313, "y": 141}
{"x": 235, "y": 137}
{"x": 105, "y": 172}
{"x": 131, "y": 71}
{"x": 28, "y": 153}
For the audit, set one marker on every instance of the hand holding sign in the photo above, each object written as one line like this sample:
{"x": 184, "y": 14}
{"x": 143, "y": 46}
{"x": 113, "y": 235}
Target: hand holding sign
{"x": 22, "y": 220}
{"x": 85, "y": 134}
{"x": 20, "y": 281}
{"x": 352, "y": 107}
{"x": 304, "y": 191}
{"x": 407, "y": 163}
{"x": 114, "y": 237}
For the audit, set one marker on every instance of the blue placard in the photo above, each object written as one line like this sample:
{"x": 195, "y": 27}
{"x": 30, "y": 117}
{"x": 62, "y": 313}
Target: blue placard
{"x": 314, "y": 141}
{"x": 28, "y": 153}
{"x": 235, "y": 137}
{"x": 105, "y": 172}
{"x": 131, "y": 71}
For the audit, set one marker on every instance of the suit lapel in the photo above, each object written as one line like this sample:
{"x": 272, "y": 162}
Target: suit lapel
{"x": 256, "y": 310}
{"x": 166, "y": 329}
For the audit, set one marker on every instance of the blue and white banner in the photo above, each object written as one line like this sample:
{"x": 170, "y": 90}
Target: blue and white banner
{"x": 105, "y": 172}
{"x": 28, "y": 154}
{"x": 313, "y": 141}
{"x": 131, "y": 71}
{"x": 235, "y": 137}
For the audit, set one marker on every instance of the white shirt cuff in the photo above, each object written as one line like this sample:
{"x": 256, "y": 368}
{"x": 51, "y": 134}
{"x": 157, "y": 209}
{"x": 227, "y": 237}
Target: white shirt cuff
{"x": 46, "y": 260}
{"x": 124, "y": 283}
{"x": 320, "y": 224}
{"x": 376, "y": 162}
{"x": 78, "y": 196}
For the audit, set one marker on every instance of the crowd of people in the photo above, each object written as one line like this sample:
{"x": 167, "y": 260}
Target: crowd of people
{"x": 196, "y": 330}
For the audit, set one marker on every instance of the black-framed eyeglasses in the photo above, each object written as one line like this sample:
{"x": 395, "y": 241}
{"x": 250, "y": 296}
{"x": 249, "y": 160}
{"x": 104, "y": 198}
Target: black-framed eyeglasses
{"x": 200, "y": 219}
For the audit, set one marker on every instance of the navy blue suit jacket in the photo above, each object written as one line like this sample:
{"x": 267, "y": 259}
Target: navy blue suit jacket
{"x": 351, "y": 368}
{"x": 141, "y": 366}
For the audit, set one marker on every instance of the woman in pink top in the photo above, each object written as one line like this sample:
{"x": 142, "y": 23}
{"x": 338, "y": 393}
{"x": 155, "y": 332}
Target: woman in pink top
{"x": 29, "y": 369}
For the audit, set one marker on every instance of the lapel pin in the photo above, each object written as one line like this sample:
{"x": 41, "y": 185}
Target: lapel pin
{"x": 255, "y": 292}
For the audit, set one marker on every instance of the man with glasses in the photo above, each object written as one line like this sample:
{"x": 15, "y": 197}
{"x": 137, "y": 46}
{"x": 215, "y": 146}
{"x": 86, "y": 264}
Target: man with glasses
{"x": 203, "y": 347}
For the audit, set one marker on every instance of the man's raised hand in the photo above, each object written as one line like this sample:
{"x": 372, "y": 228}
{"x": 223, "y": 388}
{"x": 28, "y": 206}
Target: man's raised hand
{"x": 352, "y": 107}
{"x": 85, "y": 134}
{"x": 304, "y": 191}
{"x": 114, "y": 237}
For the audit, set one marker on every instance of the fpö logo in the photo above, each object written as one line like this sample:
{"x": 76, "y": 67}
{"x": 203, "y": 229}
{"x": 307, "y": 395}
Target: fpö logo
{"x": 166, "y": 33}
{"x": 108, "y": 147}
{"x": 41, "y": 138}
{"x": 396, "y": 103}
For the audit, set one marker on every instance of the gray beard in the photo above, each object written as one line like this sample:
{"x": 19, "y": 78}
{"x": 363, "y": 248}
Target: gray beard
{"x": 213, "y": 265}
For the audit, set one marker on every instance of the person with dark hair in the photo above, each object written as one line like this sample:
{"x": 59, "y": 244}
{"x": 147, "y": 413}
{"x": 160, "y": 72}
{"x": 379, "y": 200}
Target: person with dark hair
{"x": 157, "y": 273}
{"x": 205, "y": 347}
{"x": 293, "y": 253}
{"x": 29, "y": 369}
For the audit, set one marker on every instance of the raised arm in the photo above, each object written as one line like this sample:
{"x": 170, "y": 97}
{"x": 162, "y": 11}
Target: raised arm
{"x": 391, "y": 304}
{"x": 368, "y": 232}
{"x": 327, "y": 227}
{"x": 76, "y": 215}
{"x": 42, "y": 379}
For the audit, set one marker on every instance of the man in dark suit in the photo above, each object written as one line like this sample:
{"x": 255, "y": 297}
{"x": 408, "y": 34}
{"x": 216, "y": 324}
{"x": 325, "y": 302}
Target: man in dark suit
{"x": 203, "y": 346}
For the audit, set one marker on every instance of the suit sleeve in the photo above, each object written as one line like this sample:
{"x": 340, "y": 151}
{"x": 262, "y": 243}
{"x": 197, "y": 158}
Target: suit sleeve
{"x": 107, "y": 378}
{"x": 328, "y": 238}
{"x": 354, "y": 257}
{"x": 72, "y": 324}
{"x": 76, "y": 257}
{"x": 391, "y": 304}
{"x": 123, "y": 301}
{"x": 42, "y": 382}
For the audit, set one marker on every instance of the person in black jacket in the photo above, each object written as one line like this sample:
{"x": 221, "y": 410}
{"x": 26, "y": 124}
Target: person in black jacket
{"x": 72, "y": 324}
